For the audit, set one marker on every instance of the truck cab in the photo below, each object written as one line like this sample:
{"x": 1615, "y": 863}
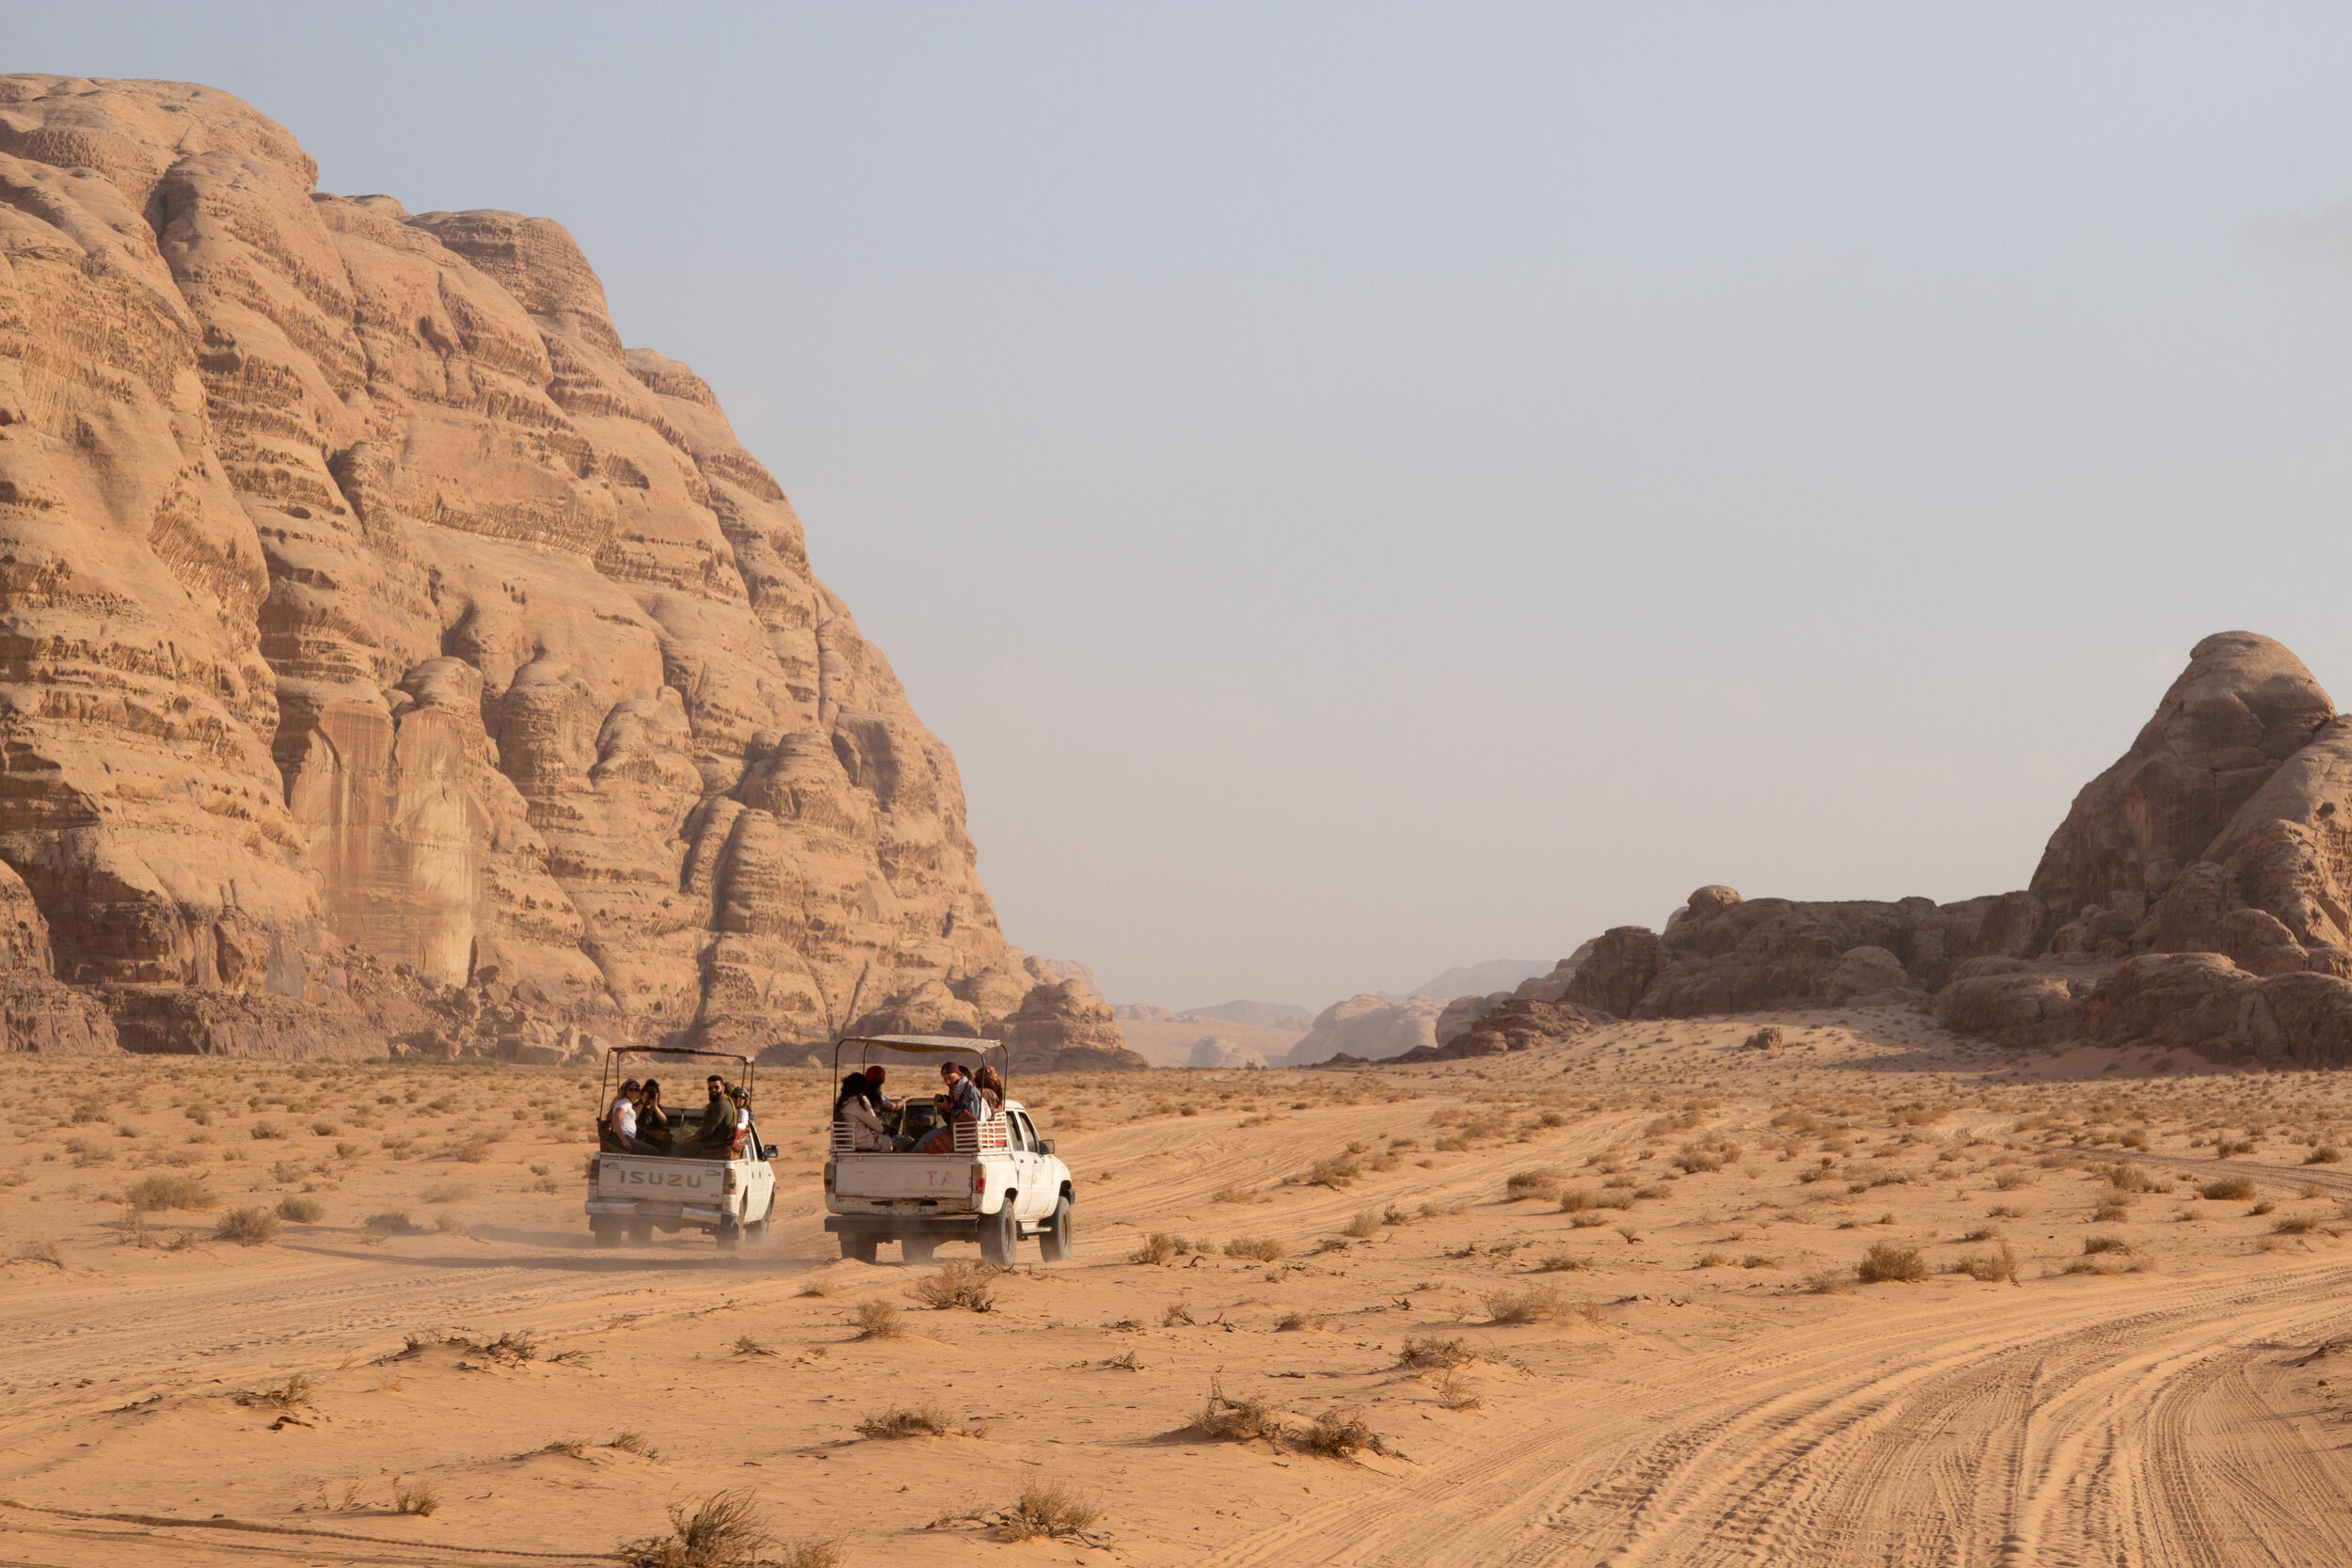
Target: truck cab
{"x": 715, "y": 1179}
{"x": 992, "y": 1180}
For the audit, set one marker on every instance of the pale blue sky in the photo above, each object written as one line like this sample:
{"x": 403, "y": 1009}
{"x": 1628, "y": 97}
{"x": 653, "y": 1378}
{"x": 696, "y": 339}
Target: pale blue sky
{"x": 1366, "y": 488}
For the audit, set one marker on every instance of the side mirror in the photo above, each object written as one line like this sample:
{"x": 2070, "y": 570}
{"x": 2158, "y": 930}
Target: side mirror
{"x": 1046, "y": 1144}
{"x": 767, "y": 1152}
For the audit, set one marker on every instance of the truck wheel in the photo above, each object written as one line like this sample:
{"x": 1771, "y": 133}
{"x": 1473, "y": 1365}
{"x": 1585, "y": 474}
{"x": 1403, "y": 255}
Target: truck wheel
{"x": 730, "y": 1238}
{"x": 641, "y": 1232}
{"x": 606, "y": 1231}
{"x": 918, "y": 1249}
{"x": 857, "y": 1247}
{"x": 1053, "y": 1243}
{"x": 1000, "y": 1233}
{"x": 756, "y": 1232}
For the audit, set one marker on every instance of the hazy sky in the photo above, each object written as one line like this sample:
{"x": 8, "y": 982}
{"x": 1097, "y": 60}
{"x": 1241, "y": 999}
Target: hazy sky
{"x": 1366, "y": 488}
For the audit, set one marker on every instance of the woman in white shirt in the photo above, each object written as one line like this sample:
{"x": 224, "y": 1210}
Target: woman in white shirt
{"x": 856, "y": 1106}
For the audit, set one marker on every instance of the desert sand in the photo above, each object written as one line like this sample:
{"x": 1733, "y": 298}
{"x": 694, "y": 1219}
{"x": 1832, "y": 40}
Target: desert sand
{"x": 1591, "y": 1303}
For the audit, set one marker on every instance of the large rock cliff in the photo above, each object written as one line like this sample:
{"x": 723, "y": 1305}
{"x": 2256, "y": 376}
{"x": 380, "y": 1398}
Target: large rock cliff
{"x": 382, "y": 640}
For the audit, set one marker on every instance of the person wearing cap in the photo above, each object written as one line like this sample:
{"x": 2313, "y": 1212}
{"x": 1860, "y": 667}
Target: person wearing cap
{"x": 620, "y": 1122}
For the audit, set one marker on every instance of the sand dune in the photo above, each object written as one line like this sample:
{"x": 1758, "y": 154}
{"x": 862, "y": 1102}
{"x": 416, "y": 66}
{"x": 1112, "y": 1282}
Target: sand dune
{"x": 1698, "y": 1377}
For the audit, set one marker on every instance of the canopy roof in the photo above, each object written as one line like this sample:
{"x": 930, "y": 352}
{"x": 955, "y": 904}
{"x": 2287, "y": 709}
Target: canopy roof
{"x": 927, "y": 1045}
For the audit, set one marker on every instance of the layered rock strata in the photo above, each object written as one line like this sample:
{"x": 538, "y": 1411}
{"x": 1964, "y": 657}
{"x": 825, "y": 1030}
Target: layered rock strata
{"x": 381, "y": 639}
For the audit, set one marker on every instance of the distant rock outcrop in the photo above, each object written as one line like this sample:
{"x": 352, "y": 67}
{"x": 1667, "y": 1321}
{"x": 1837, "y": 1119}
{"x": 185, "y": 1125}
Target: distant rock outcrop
{"x": 1368, "y": 1029}
{"x": 395, "y": 654}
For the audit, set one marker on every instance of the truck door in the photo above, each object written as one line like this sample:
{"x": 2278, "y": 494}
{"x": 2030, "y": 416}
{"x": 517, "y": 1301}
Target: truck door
{"x": 1029, "y": 1158}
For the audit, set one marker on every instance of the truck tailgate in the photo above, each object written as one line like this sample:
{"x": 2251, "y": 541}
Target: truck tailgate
{"x": 641, "y": 1176}
{"x": 901, "y": 1175}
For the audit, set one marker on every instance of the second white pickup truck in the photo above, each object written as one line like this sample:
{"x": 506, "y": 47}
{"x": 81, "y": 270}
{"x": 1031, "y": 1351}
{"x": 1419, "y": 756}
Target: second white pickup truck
{"x": 995, "y": 1182}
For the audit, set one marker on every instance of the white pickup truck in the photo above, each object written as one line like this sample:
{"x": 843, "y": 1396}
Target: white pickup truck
{"x": 997, "y": 1182}
{"x": 724, "y": 1186}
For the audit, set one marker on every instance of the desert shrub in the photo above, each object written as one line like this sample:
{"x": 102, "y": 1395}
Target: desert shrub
{"x": 2297, "y": 1225}
{"x": 1364, "y": 1224}
{"x": 1175, "y": 1313}
{"x": 1338, "y": 1433}
{"x": 1333, "y": 1171}
{"x": 1588, "y": 1220}
{"x": 1830, "y": 1282}
{"x": 265, "y": 1130}
{"x": 474, "y": 1150}
{"x": 249, "y": 1226}
{"x": 1575, "y": 1199}
{"x": 1888, "y": 1262}
{"x": 2010, "y": 1180}
{"x": 922, "y": 1420}
{"x": 1293, "y": 1323}
{"x": 878, "y": 1318}
{"x": 2110, "y": 1212}
{"x": 395, "y": 1223}
{"x": 2229, "y": 1189}
{"x": 1260, "y": 1249}
{"x": 2105, "y": 1244}
{"x": 2264, "y": 1207}
{"x": 302, "y": 1210}
{"x": 169, "y": 1190}
{"x": 1048, "y": 1510}
{"x": 634, "y": 1442}
{"x": 1563, "y": 1263}
{"x": 1710, "y": 1261}
{"x": 1236, "y": 1420}
{"x": 1533, "y": 1184}
{"x": 1238, "y": 1193}
{"x": 2129, "y": 1175}
{"x": 968, "y": 1285}
{"x": 1989, "y": 1267}
{"x": 293, "y": 1394}
{"x": 1526, "y": 1304}
{"x": 1157, "y": 1248}
{"x": 420, "y": 1500}
{"x": 725, "y": 1531}
{"x": 1758, "y": 1261}
{"x": 2325, "y": 1154}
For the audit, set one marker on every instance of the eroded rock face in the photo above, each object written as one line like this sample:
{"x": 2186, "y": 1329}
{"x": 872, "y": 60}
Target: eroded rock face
{"x": 364, "y": 595}
{"x": 1368, "y": 1028}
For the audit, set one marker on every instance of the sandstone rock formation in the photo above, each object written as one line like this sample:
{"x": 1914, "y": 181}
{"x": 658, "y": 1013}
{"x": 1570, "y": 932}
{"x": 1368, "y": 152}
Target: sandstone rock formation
{"x": 388, "y": 647}
{"x": 1214, "y": 1051}
{"x": 1516, "y": 1023}
{"x": 1367, "y": 1029}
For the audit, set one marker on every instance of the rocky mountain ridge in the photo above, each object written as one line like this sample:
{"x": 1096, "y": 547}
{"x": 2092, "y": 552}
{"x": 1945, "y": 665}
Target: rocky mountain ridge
{"x": 2198, "y": 894}
{"x": 390, "y": 653}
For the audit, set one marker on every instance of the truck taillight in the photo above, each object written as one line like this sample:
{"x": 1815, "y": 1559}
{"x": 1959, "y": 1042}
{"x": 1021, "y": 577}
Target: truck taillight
{"x": 730, "y": 1186}
{"x": 980, "y": 1178}
{"x": 829, "y": 1179}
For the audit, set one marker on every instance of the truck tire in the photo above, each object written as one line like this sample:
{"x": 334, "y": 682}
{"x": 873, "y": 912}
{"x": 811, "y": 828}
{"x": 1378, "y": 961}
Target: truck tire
{"x": 918, "y": 1249}
{"x": 730, "y": 1238}
{"x": 1000, "y": 1234}
{"x": 641, "y": 1232}
{"x": 607, "y": 1231}
{"x": 756, "y": 1232}
{"x": 1053, "y": 1243}
{"x": 857, "y": 1247}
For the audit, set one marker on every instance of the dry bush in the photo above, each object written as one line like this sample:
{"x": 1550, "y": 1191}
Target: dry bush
{"x": 2264, "y": 1207}
{"x": 922, "y": 1420}
{"x": 1454, "y": 1393}
{"x": 1050, "y": 1510}
{"x": 2297, "y": 1225}
{"x": 1364, "y": 1224}
{"x": 248, "y": 1227}
{"x": 1258, "y": 1249}
{"x": 302, "y": 1210}
{"x": 420, "y": 1500}
{"x": 1526, "y": 1304}
{"x": 474, "y": 1150}
{"x": 509, "y": 1346}
{"x": 1533, "y": 1184}
{"x": 1158, "y": 1247}
{"x": 968, "y": 1285}
{"x": 1330, "y": 1243}
{"x": 1563, "y": 1263}
{"x": 1888, "y": 1262}
{"x": 1237, "y": 1421}
{"x": 1712, "y": 1260}
{"x": 2110, "y": 1213}
{"x": 396, "y": 1223}
{"x": 266, "y": 1129}
{"x": 634, "y": 1442}
{"x": 2105, "y": 1244}
{"x": 2325, "y": 1154}
{"x": 1758, "y": 1261}
{"x": 746, "y": 1345}
{"x": 1293, "y": 1323}
{"x": 1830, "y": 1282}
{"x": 1339, "y": 1434}
{"x": 824, "y": 1287}
{"x": 725, "y": 1531}
{"x": 166, "y": 1189}
{"x": 1238, "y": 1193}
{"x": 1989, "y": 1267}
{"x": 2010, "y": 1180}
{"x": 2230, "y": 1189}
{"x": 1587, "y": 1221}
{"x": 1333, "y": 1171}
{"x": 878, "y": 1318}
{"x": 2128, "y": 1176}
{"x": 1573, "y": 1199}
